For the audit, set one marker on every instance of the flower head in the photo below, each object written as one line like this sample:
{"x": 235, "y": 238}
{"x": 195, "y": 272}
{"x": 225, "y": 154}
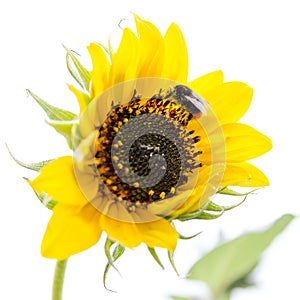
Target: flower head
{"x": 149, "y": 147}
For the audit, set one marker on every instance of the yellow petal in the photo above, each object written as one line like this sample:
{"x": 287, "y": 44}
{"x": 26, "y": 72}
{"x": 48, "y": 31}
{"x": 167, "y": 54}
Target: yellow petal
{"x": 176, "y": 57}
{"x": 100, "y": 71}
{"x": 244, "y": 142}
{"x": 70, "y": 232}
{"x": 245, "y": 175}
{"x": 82, "y": 98}
{"x": 131, "y": 234}
{"x": 151, "y": 49}
{"x": 125, "y": 60}
{"x": 230, "y": 100}
{"x": 57, "y": 180}
{"x": 207, "y": 82}
{"x": 157, "y": 233}
{"x": 125, "y": 233}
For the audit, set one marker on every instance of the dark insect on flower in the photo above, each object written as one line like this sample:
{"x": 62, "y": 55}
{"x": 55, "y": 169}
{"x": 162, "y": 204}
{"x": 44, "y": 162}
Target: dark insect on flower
{"x": 190, "y": 100}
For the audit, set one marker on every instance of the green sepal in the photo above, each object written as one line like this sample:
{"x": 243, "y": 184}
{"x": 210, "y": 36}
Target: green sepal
{"x": 110, "y": 50}
{"x": 61, "y": 120}
{"x": 218, "y": 208}
{"x": 210, "y": 211}
{"x": 65, "y": 129}
{"x": 230, "y": 192}
{"x": 199, "y": 214}
{"x": 209, "y": 216}
{"x": 77, "y": 70}
{"x": 155, "y": 256}
{"x": 172, "y": 262}
{"x": 117, "y": 252}
{"x": 108, "y": 244}
{"x": 54, "y": 113}
{"x": 31, "y": 166}
{"x": 211, "y": 206}
{"x": 189, "y": 216}
{"x": 182, "y": 237}
{"x": 45, "y": 200}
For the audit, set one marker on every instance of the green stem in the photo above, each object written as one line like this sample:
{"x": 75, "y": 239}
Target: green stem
{"x": 58, "y": 280}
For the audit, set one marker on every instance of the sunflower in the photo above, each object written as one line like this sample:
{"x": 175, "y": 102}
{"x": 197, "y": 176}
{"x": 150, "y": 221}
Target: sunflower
{"x": 149, "y": 146}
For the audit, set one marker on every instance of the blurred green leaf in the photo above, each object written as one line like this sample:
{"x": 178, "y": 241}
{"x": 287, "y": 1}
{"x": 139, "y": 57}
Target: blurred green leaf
{"x": 229, "y": 265}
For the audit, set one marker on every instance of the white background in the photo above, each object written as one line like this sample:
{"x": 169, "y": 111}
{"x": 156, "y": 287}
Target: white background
{"x": 253, "y": 41}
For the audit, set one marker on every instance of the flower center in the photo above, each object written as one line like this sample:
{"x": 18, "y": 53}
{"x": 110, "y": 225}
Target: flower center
{"x": 144, "y": 151}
